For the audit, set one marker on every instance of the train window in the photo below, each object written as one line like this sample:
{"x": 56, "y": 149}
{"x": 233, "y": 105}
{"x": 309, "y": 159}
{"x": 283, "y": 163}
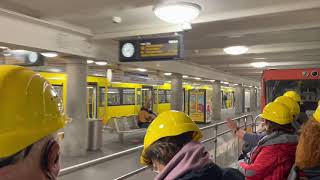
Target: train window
{"x": 114, "y": 97}
{"x": 155, "y": 96}
{"x": 161, "y": 96}
{"x": 128, "y": 96}
{"x": 168, "y": 96}
{"x": 308, "y": 89}
{"x": 59, "y": 90}
{"x": 102, "y": 96}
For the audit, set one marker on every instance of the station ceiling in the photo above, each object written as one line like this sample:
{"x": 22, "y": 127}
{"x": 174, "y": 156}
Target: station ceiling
{"x": 284, "y": 33}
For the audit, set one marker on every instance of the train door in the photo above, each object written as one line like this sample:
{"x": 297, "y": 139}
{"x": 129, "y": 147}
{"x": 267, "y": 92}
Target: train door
{"x": 147, "y": 97}
{"x": 92, "y": 101}
{"x": 197, "y": 105}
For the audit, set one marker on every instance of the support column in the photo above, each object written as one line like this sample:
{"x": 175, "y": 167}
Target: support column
{"x": 258, "y": 99}
{"x": 176, "y": 92}
{"x": 216, "y": 103}
{"x": 76, "y": 133}
{"x": 253, "y": 99}
{"x": 239, "y": 99}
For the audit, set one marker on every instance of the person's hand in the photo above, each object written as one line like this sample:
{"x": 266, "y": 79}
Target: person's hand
{"x": 232, "y": 124}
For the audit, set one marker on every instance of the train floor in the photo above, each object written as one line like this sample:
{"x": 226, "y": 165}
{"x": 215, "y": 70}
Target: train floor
{"x": 120, "y": 166}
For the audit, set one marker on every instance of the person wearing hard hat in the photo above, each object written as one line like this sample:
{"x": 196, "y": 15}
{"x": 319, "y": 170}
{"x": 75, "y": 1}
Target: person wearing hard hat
{"x": 30, "y": 114}
{"x": 307, "y": 163}
{"x": 172, "y": 149}
{"x": 274, "y": 155}
{"x": 302, "y": 117}
{"x": 252, "y": 139}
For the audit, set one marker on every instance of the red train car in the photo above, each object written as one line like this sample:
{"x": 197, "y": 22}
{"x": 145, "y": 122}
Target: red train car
{"x": 304, "y": 81}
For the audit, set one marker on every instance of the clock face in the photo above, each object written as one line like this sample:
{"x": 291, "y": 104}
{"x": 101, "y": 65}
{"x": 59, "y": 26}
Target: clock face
{"x": 128, "y": 50}
{"x": 33, "y": 57}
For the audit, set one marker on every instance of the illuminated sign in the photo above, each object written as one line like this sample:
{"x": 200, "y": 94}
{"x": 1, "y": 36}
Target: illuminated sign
{"x": 153, "y": 49}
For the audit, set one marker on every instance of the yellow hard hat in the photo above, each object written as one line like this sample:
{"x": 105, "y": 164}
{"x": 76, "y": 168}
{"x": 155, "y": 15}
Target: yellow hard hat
{"x": 277, "y": 113}
{"x": 290, "y": 103}
{"x": 29, "y": 109}
{"x": 316, "y": 114}
{"x": 294, "y": 95}
{"x": 170, "y": 123}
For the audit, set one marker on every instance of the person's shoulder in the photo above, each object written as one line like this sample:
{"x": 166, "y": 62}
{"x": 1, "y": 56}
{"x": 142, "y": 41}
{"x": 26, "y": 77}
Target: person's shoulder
{"x": 213, "y": 171}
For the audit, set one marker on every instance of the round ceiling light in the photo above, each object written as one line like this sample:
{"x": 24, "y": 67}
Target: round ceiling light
{"x": 259, "y": 64}
{"x": 167, "y": 74}
{"x": 177, "y": 13}
{"x": 236, "y": 50}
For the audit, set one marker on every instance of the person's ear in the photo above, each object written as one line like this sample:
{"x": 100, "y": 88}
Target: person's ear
{"x": 52, "y": 159}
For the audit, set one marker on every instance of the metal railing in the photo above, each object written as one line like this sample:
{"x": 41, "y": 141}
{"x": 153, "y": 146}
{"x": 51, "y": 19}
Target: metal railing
{"x": 215, "y": 126}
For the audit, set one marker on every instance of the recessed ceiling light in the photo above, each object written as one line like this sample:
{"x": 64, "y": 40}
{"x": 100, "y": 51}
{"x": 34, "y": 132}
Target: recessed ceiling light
{"x": 177, "y": 13}
{"x": 101, "y": 63}
{"x": 235, "y": 84}
{"x": 223, "y": 82}
{"x": 259, "y": 64}
{"x": 49, "y": 54}
{"x": 197, "y": 78}
{"x": 2, "y": 47}
{"x": 212, "y": 80}
{"x": 260, "y": 58}
{"x": 141, "y": 70}
{"x": 55, "y": 70}
{"x": 185, "y": 76}
{"x": 167, "y": 74}
{"x": 90, "y": 61}
{"x": 236, "y": 50}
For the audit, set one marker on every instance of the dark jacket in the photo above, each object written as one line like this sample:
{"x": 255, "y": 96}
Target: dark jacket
{"x": 213, "y": 172}
{"x": 272, "y": 159}
{"x": 310, "y": 174}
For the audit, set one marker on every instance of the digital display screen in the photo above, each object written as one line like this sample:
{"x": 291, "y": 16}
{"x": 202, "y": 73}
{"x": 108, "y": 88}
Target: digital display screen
{"x": 164, "y": 48}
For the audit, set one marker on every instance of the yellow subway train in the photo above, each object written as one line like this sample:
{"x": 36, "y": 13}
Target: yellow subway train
{"x": 108, "y": 99}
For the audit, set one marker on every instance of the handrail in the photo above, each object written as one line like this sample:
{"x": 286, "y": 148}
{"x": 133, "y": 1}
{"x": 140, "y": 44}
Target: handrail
{"x": 103, "y": 159}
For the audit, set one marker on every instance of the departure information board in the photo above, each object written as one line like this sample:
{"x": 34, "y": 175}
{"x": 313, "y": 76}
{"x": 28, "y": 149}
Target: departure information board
{"x": 152, "y": 49}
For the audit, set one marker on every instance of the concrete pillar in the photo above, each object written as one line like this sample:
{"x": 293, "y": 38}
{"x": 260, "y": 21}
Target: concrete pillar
{"x": 253, "y": 99}
{"x": 239, "y": 99}
{"x": 76, "y": 133}
{"x": 176, "y": 92}
{"x": 216, "y": 100}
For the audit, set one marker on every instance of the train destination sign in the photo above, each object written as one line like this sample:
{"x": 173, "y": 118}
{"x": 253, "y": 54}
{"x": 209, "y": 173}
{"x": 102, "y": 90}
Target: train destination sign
{"x": 153, "y": 49}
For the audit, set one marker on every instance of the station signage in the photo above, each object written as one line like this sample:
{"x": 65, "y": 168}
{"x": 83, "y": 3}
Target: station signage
{"x": 151, "y": 49}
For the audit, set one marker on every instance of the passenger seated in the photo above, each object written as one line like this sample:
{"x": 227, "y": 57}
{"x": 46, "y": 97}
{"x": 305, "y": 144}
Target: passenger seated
{"x": 307, "y": 164}
{"x": 172, "y": 149}
{"x": 274, "y": 155}
{"x": 145, "y": 117}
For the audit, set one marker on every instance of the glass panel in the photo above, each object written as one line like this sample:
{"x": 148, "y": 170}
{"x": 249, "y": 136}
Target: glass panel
{"x": 308, "y": 89}
{"x": 161, "y": 96}
{"x": 201, "y": 105}
{"x": 92, "y": 101}
{"x": 102, "y": 96}
{"x": 139, "y": 96}
{"x": 193, "y": 103}
{"x": 128, "y": 96}
{"x": 168, "y": 96}
{"x": 113, "y": 96}
{"x": 59, "y": 90}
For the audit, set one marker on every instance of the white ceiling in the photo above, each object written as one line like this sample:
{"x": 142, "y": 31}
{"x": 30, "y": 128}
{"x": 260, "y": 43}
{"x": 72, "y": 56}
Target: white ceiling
{"x": 286, "y": 33}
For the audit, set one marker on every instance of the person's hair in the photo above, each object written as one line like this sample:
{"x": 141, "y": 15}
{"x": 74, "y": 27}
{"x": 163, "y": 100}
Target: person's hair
{"x": 308, "y": 149}
{"x": 273, "y": 127}
{"x": 166, "y": 148}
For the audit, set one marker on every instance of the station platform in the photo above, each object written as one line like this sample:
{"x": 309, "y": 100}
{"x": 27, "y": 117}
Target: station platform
{"x": 119, "y": 166}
